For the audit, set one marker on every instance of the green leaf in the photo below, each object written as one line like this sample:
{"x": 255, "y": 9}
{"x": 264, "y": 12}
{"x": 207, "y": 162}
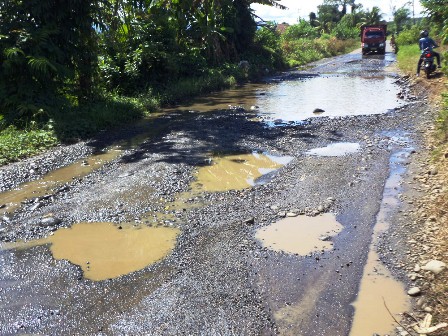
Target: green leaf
{"x": 13, "y": 52}
{"x": 41, "y": 64}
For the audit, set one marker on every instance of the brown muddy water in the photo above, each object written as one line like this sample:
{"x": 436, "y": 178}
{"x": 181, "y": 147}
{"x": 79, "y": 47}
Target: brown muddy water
{"x": 104, "y": 250}
{"x": 42, "y": 186}
{"x": 300, "y": 235}
{"x": 239, "y": 171}
{"x": 379, "y": 289}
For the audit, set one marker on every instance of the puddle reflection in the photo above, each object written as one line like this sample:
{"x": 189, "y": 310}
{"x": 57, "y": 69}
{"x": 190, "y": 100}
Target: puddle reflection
{"x": 336, "y": 95}
{"x": 239, "y": 171}
{"x": 335, "y": 149}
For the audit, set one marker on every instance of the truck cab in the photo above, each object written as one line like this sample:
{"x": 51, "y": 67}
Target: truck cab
{"x": 373, "y": 39}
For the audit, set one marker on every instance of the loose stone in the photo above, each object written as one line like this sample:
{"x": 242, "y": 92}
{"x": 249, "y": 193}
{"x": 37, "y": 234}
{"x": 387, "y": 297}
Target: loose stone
{"x": 50, "y": 221}
{"x": 414, "y": 291}
{"x": 434, "y": 266}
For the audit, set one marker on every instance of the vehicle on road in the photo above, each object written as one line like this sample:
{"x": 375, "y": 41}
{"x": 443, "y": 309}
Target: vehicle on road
{"x": 428, "y": 62}
{"x": 373, "y": 39}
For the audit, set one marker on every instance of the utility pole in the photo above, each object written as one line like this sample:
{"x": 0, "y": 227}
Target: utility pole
{"x": 413, "y": 12}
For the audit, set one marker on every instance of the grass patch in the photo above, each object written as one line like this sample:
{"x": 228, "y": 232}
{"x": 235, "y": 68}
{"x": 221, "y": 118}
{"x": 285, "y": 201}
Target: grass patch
{"x": 76, "y": 123}
{"x": 407, "y": 58}
{"x": 442, "y": 119}
{"x": 16, "y": 144}
{"x": 186, "y": 88}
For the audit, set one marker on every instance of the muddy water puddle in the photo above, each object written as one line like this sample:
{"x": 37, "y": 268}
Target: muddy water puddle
{"x": 243, "y": 96}
{"x": 147, "y": 128}
{"x": 379, "y": 289}
{"x": 104, "y": 250}
{"x": 239, "y": 171}
{"x": 335, "y": 149}
{"x": 42, "y": 186}
{"x": 300, "y": 235}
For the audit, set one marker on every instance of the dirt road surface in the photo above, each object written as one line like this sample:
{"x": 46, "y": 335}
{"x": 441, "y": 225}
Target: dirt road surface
{"x": 217, "y": 278}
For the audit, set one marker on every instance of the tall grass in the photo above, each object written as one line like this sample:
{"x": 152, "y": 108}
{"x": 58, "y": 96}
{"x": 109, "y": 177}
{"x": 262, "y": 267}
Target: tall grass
{"x": 186, "y": 88}
{"x": 407, "y": 58}
{"x": 303, "y": 51}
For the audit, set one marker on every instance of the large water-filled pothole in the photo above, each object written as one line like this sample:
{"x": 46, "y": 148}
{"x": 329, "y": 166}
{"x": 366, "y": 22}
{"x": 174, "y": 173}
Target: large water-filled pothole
{"x": 380, "y": 300}
{"x": 300, "y": 235}
{"x": 104, "y": 250}
{"x": 238, "y": 171}
{"x": 335, "y": 95}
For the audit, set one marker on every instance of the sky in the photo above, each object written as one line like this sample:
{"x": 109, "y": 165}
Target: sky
{"x": 302, "y": 8}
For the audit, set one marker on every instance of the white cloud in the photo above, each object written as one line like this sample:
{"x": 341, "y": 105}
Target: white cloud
{"x": 301, "y": 9}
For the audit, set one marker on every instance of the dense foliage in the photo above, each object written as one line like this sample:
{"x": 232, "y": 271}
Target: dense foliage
{"x": 57, "y": 55}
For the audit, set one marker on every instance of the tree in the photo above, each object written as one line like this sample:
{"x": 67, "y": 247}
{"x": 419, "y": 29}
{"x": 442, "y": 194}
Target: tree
{"x": 314, "y": 22}
{"x": 373, "y": 16}
{"x": 44, "y": 46}
{"x": 437, "y": 10}
{"x": 328, "y": 16}
{"x": 401, "y": 17}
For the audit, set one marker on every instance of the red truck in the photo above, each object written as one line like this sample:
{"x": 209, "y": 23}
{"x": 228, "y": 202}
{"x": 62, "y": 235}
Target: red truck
{"x": 373, "y": 38}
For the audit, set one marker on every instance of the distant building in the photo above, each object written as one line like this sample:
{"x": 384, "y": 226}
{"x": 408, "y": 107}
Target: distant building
{"x": 281, "y": 27}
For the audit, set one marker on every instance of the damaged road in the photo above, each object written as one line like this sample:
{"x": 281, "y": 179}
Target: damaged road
{"x": 217, "y": 278}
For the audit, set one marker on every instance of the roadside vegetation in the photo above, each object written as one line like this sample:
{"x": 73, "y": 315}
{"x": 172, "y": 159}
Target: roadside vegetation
{"x": 437, "y": 24}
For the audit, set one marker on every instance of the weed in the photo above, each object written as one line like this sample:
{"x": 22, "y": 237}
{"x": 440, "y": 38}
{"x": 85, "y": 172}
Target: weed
{"x": 16, "y": 144}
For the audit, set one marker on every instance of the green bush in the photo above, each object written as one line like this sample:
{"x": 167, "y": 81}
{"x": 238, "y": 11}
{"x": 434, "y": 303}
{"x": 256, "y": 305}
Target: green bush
{"x": 345, "y": 29}
{"x": 268, "y": 37}
{"x": 408, "y": 36}
{"x": 303, "y": 29}
{"x": 302, "y": 51}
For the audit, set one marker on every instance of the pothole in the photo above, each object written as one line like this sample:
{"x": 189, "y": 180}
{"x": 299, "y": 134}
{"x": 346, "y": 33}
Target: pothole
{"x": 381, "y": 298}
{"x": 344, "y": 96}
{"x": 335, "y": 149}
{"x": 104, "y": 250}
{"x": 300, "y": 235}
{"x": 42, "y": 186}
{"x": 238, "y": 171}
{"x": 378, "y": 290}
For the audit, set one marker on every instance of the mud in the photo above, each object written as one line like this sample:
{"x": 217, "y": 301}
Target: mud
{"x": 218, "y": 279}
{"x": 300, "y": 235}
{"x": 104, "y": 251}
{"x": 43, "y": 186}
{"x": 233, "y": 172}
